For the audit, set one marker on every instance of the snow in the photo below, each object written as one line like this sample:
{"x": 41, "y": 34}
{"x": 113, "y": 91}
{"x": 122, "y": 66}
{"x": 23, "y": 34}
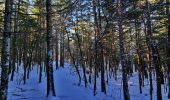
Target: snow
{"x": 66, "y": 87}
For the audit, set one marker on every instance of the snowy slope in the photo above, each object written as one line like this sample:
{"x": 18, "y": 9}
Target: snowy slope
{"x": 67, "y": 89}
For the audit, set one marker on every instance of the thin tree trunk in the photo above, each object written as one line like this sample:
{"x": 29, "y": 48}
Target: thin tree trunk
{"x": 138, "y": 50}
{"x": 73, "y": 59}
{"x": 122, "y": 53}
{"x": 56, "y": 50}
{"x": 155, "y": 53}
{"x": 81, "y": 60}
{"x": 62, "y": 46}
{"x": 96, "y": 27}
{"x": 168, "y": 47}
{"x": 25, "y": 57}
{"x": 14, "y": 40}
{"x": 149, "y": 61}
{"x": 103, "y": 85}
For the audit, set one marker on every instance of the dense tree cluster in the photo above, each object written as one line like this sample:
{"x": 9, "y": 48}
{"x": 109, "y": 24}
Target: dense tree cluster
{"x": 95, "y": 36}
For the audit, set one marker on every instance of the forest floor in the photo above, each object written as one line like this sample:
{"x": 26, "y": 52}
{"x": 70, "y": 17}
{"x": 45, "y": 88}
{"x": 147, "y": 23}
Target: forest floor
{"x": 66, "y": 87}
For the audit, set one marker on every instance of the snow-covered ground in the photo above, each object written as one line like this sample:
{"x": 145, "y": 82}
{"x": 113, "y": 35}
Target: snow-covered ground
{"x": 67, "y": 89}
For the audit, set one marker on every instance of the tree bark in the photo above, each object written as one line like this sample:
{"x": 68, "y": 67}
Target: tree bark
{"x": 56, "y": 50}
{"x": 5, "y": 51}
{"x": 96, "y": 27}
{"x": 122, "y": 53}
{"x": 155, "y": 53}
{"x": 50, "y": 78}
{"x": 168, "y": 47}
{"x": 62, "y": 46}
{"x": 17, "y": 7}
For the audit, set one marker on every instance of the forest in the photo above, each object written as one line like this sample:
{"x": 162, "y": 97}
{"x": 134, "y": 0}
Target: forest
{"x": 84, "y": 49}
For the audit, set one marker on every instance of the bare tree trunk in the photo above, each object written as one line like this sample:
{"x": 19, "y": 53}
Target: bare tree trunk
{"x": 25, "y": 57}
{"x": 56, "y": 49}
{"x": 103, "y": 85}
{"x": 50, "y": 78}
{"x": 155, "y": 54}
{"x": 40, "y": 41}
{"x": 5, "y": 51}
{"x": 96, "y": 27}
{"x": 62, "y": 46}
{"x": 81, "y": 60}
{"x": 122, "y": 53}
{"x": 168, "y": 47}
{"x": 149, "y": 61}
{"x": 138, "y": 50}
{"x": 73, "y": 59}
{"x": 17, "y": 7}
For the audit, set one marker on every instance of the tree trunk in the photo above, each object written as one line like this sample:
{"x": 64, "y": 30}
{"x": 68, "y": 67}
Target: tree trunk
{"x": 122, "y": 53}
{"x": 96, "y": 27}
{"x": 73, "y": 59}
{"x": 17, "y": 7}
{"x": 81, "y": 60}
{"x": 155, "y": 53}
{"x": 149, "y": 61}
{"x": 50, "y": 78}
{"x": 56, "y": 50}
{"x": 62, "y": 47}
{"x": 168, "y": 47}
{"x": 5, "y": 51}
{"x": 103, "y": 85}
